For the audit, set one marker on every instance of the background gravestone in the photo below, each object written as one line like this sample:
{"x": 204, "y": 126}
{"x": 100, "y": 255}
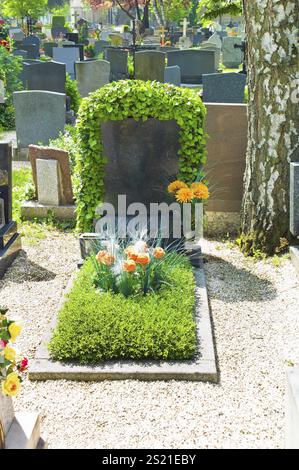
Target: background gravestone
{"x": 135, "y": 167}
{"x": 48, "y": 48}
{"x": 92, "y": 75}
{"x": 99, "y": 46}
{"x": 224, "y": 88}
{"x": 40, "y": 116}
{"x": 67, "y": 56}
{"x": 172, "y": 75}
{"x": 232, "y": 57}
{"x": 212, "y": 47}
{"x": 79, "y": 46}
{"x": 48, "y": 182}
{"x": 150, "y": 65}
{"x": 47, "y": 76}
{"x": 193, "y": 64}
{"x": 32, "y": 50}
{"x": 31, "y": 40}
{"x": 74, "y": 37}
{"x": 20, "y": 53}
{"x": 118, "y": 63}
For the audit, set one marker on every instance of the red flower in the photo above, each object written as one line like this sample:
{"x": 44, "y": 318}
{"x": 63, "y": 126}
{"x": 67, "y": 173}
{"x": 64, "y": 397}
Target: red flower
{"x": 24, "y": 364}
{"x": 3, "y": 343}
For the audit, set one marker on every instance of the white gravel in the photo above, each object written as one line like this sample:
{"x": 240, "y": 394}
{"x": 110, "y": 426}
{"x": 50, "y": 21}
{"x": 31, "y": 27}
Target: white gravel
{"x": 256, "y": 319}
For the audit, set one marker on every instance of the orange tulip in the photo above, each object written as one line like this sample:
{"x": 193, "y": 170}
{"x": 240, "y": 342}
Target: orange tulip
{"x": 129, "y": 266}
{"x": 159, "y": 252}
{"x": 143, "y": 259}
{"x": 104, "y": 257}
{"x": 131, "y": 253}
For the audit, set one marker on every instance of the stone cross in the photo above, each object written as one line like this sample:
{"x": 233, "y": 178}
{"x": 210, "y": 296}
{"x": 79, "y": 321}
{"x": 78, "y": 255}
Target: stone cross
{"x": 185, "y": 24}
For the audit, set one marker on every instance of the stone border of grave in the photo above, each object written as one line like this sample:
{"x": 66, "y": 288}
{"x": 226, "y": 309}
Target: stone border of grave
{"x": 202, "y": 368}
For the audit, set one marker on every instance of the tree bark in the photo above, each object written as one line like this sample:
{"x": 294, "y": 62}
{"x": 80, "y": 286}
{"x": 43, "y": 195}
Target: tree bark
{"x": 272, "y": 60}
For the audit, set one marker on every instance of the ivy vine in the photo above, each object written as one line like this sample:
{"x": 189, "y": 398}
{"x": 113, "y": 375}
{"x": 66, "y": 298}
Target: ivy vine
{"x": 138, "y": 100}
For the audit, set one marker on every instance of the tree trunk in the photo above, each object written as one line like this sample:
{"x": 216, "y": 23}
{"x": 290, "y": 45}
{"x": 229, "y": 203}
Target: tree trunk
{"x": 272, "y": 60}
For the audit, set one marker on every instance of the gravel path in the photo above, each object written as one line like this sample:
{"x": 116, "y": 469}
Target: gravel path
{"x": 256, "y": 320}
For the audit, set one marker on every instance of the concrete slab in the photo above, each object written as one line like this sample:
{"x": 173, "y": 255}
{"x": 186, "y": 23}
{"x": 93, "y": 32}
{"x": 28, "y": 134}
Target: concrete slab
{"x": 202, "y": 368}
{"x": 33, "y": 209}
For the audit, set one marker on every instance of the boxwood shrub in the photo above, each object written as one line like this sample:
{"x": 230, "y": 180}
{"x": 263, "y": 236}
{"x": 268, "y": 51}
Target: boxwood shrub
{"x": 138, "y": 100}
{"x": 93, "y": 326}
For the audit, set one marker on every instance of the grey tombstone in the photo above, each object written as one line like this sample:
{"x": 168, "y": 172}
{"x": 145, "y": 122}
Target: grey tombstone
{"x": 150, "y": 65}
{"x": 40, "y": 116}
{"x": 67, "y": 56}
{"x": 215, "y": 39}
{"x": 92, "y": 75}
{"x": 232, "y": 56}
{"x": 47, "y": 76}
{"x": 206, "y": 46}
{"x": 294, "y": 198}
{"x": 48, "y": 48}
{"x": 79, "y": 46}
{"x": 35, "y": 40}
{"x": 57, "y": 31}
{"x": 32, "y": 50}
{"x": 17, "y": 34}
{"x": 193, "y": 64}
{"x": 197, "y": 38}
{"x": 99, "y": 46}
{"x": 172, "y": 75}
{"x": 118, "y": 63}
{"x": 224, "y": 88}
{"x": 48, "y": 182}
{"x": 20, "y": 53}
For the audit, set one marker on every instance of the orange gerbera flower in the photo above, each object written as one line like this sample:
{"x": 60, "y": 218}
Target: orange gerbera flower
{"x": 184, "y": 195}
{"x": 143, "y": 259}
{"x": 159, "y": 252}
{"x": 176, "y": 185}
{"x": 129, "y": 266}
{"x": 201, "y": 192}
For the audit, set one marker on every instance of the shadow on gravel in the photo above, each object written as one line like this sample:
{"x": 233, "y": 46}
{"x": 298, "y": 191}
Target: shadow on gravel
{"x": 24, "y": 270}
{"x": 231, "y": 284}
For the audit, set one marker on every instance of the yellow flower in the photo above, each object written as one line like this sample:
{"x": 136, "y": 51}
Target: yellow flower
{"x": 14, "y": 331}
{"x": 11, "y": 385}
{"x": 9, "y": 354}
{"x": 201, "y": 191}
{"x": 184, "y": 195}
{"x": 176, "y": 185}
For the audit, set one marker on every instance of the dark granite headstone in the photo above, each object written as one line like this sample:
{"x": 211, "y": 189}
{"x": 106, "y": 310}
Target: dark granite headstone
{"x": 48, "y": 48}
{"x": 193, "y": 64}
{"x": 142, "y": 159}
{"x": 10, "y": 243}
{"x": 224, "y": 88}
{"x": 32, "y": 50}
{"x": 118, "y": 63}
{"x": 47, "y": 76}
{"x": 35, "y": 40}
{"x": 150, "y": 65}
{"x": 58, "y": 31}
{"x": 74, "y": 37}
{"x": 99, "y": 46}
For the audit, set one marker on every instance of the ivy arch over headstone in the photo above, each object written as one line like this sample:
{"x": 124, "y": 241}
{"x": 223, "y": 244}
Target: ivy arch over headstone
{"x": 141, "y": 101}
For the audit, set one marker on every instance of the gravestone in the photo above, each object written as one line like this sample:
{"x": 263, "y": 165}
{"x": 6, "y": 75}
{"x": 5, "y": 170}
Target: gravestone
{"x": 58, "y": 20}
{"x": 67, "y": 56}
{"x": 116, "y": 39}
{"x": 193, "y": 64}
{"x": 150, "y": 65}
{"x": 62, "y": 159}
{"x": 184, "y": 43}
{"x": 40, "y": 116}
{"x": 58, "y": 31}
{"x": 206, "y": 46}
{"x": 32, "y": 50}
{"x": 47, "y": 76}
{"x": 294, "y": 198}
{"x": 215, "y": 39}
{"x": 48, "y": 182}
{"x": 139, "y": 160}
{"x": 118, "y": 63}
{"x": 48, "y": 48}
{"x": 224, "y": 88}
{"x": 29, "y": 40}
{"x": 99, "y": 46}
{"x": 20, "y": 53}
{"x": 197, "y": 39}
{"x": 172, "y": 75}
{"x": 10, "y": 242}
{"x": 232, "y": 56}
{"x": 92, "y": 75}
{"x": 17, "y": 34}
{"x": 74, "y": 37}
{"x": 79, "y": 46}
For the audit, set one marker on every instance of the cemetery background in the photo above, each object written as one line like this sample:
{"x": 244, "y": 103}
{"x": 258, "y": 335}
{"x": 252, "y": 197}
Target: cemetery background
{"x": 268, "y": 283}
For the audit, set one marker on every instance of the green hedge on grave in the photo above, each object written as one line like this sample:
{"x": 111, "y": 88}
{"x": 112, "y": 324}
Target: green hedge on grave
{"x": 138, "y": 100}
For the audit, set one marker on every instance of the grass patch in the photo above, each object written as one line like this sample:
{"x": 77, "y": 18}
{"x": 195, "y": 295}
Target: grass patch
{"x": 94, "y": 326}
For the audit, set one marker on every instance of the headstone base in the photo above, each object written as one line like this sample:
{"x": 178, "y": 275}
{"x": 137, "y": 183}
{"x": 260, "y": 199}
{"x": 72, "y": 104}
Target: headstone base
{"x": 10, "y": 245}
{"x": 33, "y": 209}
{"x": 294, "y": 252}
{"x": 24, "y": 432}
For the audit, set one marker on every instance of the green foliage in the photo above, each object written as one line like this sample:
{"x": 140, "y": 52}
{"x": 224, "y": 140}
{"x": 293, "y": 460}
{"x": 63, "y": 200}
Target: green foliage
{"x": 71, "y": 90}
{"x": 20, "y": 180}
{"x": 67, "y": 141}
{"x": 138, "y": 100}
{"x": 210, "y": 10}
{"x": 23, "y": 8}
{"x": 58, "y": 21}
{"x": 94, "y": 326}
{"x": 10, "y": 67}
